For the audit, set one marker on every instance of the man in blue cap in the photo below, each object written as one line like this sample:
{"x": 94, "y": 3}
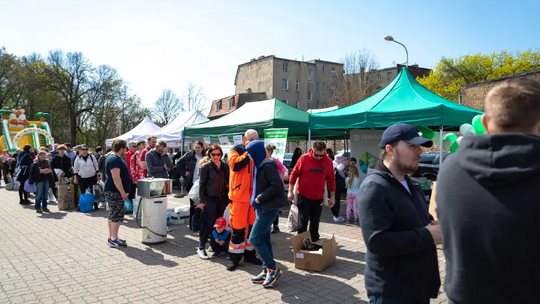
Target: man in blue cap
{"x": 401, "y": 259}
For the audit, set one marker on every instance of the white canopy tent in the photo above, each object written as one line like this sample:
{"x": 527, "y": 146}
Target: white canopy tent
{"x": 146, "y": 127}
{"x": 173, "y": 131}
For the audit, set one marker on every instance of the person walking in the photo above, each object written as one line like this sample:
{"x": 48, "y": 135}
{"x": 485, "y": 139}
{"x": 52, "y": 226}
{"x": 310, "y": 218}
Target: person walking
{"x": 268, "y": 197}
{"x": 41, "y": 174}
{"x": 353, "y": 184}
{"x": 213, "y": 189}
{"x": 312, "y": 171}
{"x": 340, "y": 163}
{"x": 188, "y": 169}
{"x": 156, "y": 161}
{"x": 117, "y": 187}
{"x": 24, "y": 162}
{"x": 487, "y": 202}
{"x": 401, "y": 259}
{"x": 242, "y": 214}
{"x": 283, "y": 174}
{"x": 86, "y": 168}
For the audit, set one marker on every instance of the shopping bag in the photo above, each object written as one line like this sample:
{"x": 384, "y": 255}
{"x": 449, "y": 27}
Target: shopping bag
{"x": 292, "y": 221}
{"x": 16, "y": 185}
{"x": 98, "y": 193}
{"x": 31, "y": 188}
{"x": 128, "y": 207}
{"x": 226, "y": 215}
{"x": 194, "y": 192}
{"x": 86, "y": 201}
{"x": 52, "y": 198}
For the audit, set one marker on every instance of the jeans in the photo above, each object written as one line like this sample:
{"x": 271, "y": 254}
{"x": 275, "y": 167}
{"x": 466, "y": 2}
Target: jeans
{"x": 335, "y": 209}
{"x": 260, "y": 237}
{"x": 309, "y": 211}
{"x": 214, "y": 207}
{"x": 42, "y": 194}
{"x": 386, "y": 300}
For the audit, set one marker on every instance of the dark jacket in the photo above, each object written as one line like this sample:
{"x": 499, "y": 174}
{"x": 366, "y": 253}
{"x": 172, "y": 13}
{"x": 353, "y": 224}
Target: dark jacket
{"x": 24, "y": 161}
{"x": 401, "y": 258}
{"x": 35, "y": 175}
{"x": 213, "y": 181}
{"x": 187, "y": 163}
{"x": 488, "y": 208}
{"x": 155, "y": 163}
{"x": 63, "y": 163}
{"x": 270, "y": 192}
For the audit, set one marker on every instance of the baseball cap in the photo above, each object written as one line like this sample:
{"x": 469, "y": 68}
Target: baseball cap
{"x": 403, "y": 132}
{"x": 220, "y": 223}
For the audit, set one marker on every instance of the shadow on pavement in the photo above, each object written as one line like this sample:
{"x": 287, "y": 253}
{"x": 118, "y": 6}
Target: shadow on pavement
{"x": 53, "y": 215}
{"x": 148, "y": 256}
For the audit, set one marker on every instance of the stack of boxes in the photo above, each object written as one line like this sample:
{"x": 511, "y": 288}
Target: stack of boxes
{"x": 66, "y": 197}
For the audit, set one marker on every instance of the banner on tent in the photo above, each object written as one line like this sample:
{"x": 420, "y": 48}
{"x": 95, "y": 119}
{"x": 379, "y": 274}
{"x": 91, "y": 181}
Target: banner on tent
{"x": 278, "y": 138}
{"x": 238, "y": 139}
{"x": 206, "y": 139}
{"x": 223, "y": 139}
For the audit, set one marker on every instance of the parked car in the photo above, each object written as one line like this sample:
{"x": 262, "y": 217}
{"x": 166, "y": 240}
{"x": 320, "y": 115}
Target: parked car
{"x": 429, "y": 163}
{"x": 287, "y": 160}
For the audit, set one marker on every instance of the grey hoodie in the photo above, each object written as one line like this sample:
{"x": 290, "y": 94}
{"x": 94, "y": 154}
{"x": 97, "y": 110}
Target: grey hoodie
{"x": 488, "y": 206}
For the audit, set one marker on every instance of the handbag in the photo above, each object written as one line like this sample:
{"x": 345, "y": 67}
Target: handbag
{"x": 31, "y": 188}
{"x": 194, "y": 192}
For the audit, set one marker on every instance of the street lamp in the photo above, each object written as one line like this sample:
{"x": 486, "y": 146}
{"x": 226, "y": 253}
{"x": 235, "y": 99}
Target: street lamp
{"x": 390, "y": 38}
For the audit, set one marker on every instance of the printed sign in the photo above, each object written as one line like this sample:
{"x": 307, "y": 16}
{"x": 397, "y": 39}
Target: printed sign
{"x": 206, "y": 139}
{"x": 238, "y": 139}
{"x": 278, "y": 138}
{"x": 223, "y": 139}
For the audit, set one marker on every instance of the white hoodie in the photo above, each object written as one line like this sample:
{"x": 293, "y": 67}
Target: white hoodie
{"x": 85, "y": 169}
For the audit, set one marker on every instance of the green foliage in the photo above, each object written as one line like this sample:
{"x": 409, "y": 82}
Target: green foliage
{"x": 450, "y": 74}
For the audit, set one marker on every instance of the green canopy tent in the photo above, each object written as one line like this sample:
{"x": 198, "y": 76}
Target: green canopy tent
{"x": 260, "y": 115}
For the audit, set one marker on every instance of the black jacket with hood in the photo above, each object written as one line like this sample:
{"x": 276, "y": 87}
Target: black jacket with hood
{"x": 488, "y": 206}
{"x": 270, "y": 192}
{"x": 401, "y": 258}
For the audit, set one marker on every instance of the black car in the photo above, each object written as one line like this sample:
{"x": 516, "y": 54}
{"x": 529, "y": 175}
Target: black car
{"x": 428, "y": 166}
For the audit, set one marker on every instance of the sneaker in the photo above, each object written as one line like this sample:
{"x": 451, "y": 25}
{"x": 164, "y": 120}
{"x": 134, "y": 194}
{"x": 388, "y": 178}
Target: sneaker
{"x": 22, "y": 203}
{"x": 202, "y": 254}
{"x": 356, "y": 222}
{"x": 318, "y": 243}
{"x": 339, "y": 219}
{"x": 231, "y": 266}
{"x": 169, "y": 229}
{"x": 112, "y": 243}
{"x": 28, "y": 202}
{"x": 210, "y": 249}
{"x": 227, "y": 256}
{"x": 216, "y": 254}
{"x": 271, "y": 278}
{"x": 39, "y": 211}
{"x": 46, "y": 210}
{"x": 275, "y": 229}
{"x": 121, "y": 243}
{"x": 259, "y": 279}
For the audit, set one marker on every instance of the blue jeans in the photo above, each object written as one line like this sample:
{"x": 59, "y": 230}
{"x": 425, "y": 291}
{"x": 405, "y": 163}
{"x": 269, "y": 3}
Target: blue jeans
{"x": 213, "y": 208}
{"x": 42, "y": 194}
{"x": 386, "y": 300}
{"x": 260, "y": 237}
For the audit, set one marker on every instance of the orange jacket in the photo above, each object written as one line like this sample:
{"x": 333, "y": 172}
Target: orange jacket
{"x": 241, "y": 177}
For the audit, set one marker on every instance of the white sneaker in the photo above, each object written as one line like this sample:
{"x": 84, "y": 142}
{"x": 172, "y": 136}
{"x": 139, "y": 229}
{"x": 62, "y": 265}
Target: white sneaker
{"x": 210, "y": 249}
{"x": 202, "y": 254}
{"x": 339, "y": 219}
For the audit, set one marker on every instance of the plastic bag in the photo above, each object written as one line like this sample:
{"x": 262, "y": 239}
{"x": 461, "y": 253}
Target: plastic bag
{"x": 31, "y": 188}
{"x": 52, "y": 198}
{"x": 16, "y": 185}
{"x": 226, "y": 216}
{"x": 98, "y": 193}
{"x": 128, "y": 207}
{"x": 86, "y": 201}
{"x": 292, "y": 221}
{"x": 194, "y": 192}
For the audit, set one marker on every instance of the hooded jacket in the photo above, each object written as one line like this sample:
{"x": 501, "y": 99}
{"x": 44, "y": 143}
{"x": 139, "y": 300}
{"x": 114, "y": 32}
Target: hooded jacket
{"x": 313, "y": 174}
{"x": 241, "y": 175}
{"x": 488, "y": 207}
{"x": 401, "y": 258}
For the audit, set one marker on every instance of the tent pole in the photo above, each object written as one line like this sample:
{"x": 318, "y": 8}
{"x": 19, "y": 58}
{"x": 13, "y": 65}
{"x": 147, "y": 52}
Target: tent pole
{"x": 309, "y": 139}
{"x": 182, "y": 143}
{"x": 440, "y": 146}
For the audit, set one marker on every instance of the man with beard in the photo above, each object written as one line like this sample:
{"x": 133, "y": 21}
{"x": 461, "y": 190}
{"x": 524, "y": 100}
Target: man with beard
{"x": 401, "y": 259}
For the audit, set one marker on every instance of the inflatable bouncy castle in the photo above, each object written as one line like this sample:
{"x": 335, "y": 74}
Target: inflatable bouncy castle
{"x": 18, "y": 132}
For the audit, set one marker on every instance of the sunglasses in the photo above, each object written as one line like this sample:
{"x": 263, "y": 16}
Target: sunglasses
{"x": 318, "y": 155}
{"x": 84, "y": 149}
{"x": 214, "y": 154}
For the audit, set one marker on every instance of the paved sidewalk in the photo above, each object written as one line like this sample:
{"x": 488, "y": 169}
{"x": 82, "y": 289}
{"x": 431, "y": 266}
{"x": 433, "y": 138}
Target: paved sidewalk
{"x": 63, "y": 257}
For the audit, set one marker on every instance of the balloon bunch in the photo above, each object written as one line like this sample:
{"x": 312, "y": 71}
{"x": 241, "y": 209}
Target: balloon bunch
{"x": 451, "y": 141}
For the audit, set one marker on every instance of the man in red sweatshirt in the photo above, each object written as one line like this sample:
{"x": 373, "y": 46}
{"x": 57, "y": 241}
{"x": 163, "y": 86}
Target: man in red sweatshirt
{"x": 312, "y": 171}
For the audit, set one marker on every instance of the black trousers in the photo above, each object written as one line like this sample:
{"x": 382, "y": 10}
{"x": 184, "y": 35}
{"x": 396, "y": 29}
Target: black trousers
{"x": 309, "y": 211}
{"x": 335, "y": 209}
{"x": 132, "y": 191}
{"x": 23, "y": 195}
{"x": 89, "y": 182}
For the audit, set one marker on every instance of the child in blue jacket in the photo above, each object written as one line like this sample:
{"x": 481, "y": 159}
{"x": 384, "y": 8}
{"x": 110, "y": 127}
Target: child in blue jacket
{"x": 220, "y": 238}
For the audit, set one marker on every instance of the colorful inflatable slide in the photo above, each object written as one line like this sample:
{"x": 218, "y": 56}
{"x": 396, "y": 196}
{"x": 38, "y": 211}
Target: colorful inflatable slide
{"x": 18, "y": 132}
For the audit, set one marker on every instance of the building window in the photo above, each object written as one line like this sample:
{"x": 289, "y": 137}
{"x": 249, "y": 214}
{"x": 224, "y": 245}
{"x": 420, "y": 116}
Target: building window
{"x": 333, "y": 89}
{"x": 333, "y": 70}
{"x": 378, "y": 89}
{"x": 285, "y": 67}
{"x": 298, "y": 85}
{"x": 286, "y": 101}
{"x": 309, "y": 75}
{"x": 218, "y": 106}
{"x": 378, "y": 76}
{"x": 324, "y": 87}
{"x": 231, "y": 103}
{"x": 298, "y": 104}
{"x": 285, "y": 84}
{"x": 317, "y": 88}
{"x": 310, "y": 96}
{"x": 323, "y": 69}
{"x": 389, "y": 75}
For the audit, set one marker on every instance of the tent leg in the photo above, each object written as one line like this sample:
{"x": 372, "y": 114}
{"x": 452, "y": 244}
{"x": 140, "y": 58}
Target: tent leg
{"x": 440, "y": 146}
{"x": 309, "y": 140}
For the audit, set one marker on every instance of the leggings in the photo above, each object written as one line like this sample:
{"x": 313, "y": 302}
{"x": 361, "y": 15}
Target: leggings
{"x": 22, "y": 192}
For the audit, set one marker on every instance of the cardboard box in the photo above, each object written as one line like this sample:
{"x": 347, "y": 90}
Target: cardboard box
{"x": 433, "y": 203}
{"x": 66, "y": 204}
{"x": 313, "y": 260}
{"x": 66, "y": 191}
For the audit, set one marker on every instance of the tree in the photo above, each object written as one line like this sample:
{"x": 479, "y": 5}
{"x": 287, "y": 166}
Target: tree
{"x": 167, "y": 107}
{"x": 450, "y": 74}
{"x": 195, "y": 98}
{"x": 359, "y": 81}
{"x": 8, "y": 69}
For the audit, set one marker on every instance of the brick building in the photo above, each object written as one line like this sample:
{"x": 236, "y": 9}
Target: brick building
{"x": 473, "y": 95}
{"x": 226, "y": 105}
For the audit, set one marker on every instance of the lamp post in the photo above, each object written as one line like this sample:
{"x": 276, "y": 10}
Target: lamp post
{"x": 390, "y": 38}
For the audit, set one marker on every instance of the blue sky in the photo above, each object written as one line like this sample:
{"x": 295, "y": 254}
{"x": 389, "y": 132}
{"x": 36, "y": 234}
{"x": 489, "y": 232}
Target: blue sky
{"x": 162, "y": 44}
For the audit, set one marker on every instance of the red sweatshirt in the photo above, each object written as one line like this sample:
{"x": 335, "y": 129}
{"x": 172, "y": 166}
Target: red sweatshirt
{"x": 313, "y": 174}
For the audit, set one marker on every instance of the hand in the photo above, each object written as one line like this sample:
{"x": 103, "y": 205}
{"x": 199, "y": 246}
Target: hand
{"x": 435, "y": 231}
{"x": 125, "y": 196}
{"x": 221, "y": 242}
{"x": 331, "y": 202}
{"x": 250, "y": 157}
{"x": 201, "y": 205}
{"x": 187, "y": 174}
{"x": 63, "y": 175}
{"x": 290, "y": 196}
{"x": 286, "y": 176}
{"x": 257, "y": 201}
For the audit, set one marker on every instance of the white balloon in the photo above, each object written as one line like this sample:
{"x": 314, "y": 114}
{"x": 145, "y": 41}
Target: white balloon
{"x": 466, "y": 129}
{"x": 446, "y": 144}
{"x": 437, "y": 138}
{"x": 458, "y": 140}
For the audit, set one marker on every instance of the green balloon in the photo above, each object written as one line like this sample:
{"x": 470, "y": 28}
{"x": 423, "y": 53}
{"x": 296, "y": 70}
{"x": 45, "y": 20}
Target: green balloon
{"x": 478, "y": 126}
{"x": 426, "y": 132}
{"x": 451, "y": 136}
{"x": 454, "y": 147}
{"x": 436, "y": 138}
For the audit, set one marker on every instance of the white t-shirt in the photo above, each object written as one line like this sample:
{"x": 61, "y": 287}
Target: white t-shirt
{"x": 404, "y": 183}
{"x": 196, "y": 172}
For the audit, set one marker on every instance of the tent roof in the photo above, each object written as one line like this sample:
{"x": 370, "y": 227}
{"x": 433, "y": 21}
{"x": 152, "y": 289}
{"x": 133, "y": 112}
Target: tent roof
{"x": 183, "y": 119}
{"x": 313, "y": 111}
{"x": 258, "y": 115}
{"x": 146, "y": 127}
{"x": 403, "y": 100}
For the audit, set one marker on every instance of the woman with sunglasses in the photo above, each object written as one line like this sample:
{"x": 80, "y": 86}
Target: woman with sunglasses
{"x": 213, "y": 191}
